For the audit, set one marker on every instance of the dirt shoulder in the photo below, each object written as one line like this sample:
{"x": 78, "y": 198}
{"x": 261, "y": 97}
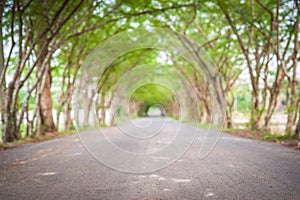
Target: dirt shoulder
{"x": 257, "y": 135}
{"x": 47, "y": 136}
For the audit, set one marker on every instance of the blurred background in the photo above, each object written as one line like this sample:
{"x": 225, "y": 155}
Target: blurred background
{"x": 254, "y": 45}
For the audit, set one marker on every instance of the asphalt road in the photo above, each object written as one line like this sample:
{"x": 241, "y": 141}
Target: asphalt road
{"x": 64, "y": 168}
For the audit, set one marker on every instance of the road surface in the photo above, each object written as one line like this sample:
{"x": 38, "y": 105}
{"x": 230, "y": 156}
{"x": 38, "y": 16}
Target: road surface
{"x": 237, "y": 168}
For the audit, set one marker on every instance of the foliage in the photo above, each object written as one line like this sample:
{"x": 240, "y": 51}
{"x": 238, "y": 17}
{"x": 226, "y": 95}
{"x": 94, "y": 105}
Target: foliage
{"x": 254, "y": 45}
{"x": 276, "y": 137}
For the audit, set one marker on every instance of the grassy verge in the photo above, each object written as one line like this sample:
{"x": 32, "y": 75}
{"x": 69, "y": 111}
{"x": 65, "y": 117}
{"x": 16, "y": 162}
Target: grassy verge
{"x": 265, "y": 136}
{"x": 276, "y": 137}
{"x": 39, "y": 138}
{"x": 34, "y": 139}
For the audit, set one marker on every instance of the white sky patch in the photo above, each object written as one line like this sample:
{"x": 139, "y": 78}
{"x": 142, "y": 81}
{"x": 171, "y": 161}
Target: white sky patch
{"x": 163, "y": 58}
{"x": 146, "y": 24}
{"x": 134, "y": 24}
{"x": 244, "y": 77}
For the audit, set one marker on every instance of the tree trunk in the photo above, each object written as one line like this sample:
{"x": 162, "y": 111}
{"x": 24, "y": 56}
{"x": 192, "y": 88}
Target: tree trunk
{"x": 5, "y": 126}
{"x": 68, "y": 108}
{"x": 297, "y": 132}
{"x": 2, "y": 4}
{"x": 103, "y": 109}
{"x": 275, "y": 93}
{"x": 47, "y": 121}
{"x": 88, "y": 100}
{"x": 8, "y": 119}
{"x": 228, "y": 118}
{"x": 255, "y": 118}
{"x": 292, "y": 105}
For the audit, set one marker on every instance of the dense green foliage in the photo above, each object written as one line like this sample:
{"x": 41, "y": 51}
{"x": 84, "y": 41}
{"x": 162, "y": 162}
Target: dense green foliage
{"x": 253, "y": 44}
{"x": 152, "y": 94}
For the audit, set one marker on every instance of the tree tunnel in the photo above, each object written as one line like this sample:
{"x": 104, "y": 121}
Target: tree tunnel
{"x": 148, "y": 73}
{"x": 154, "y": 100}
{"x": 156, "y": 110}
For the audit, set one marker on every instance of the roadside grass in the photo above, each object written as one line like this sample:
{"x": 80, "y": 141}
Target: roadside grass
{"x": 276, "y": 137}
{"x": 35, "y": 139}
{"x": 40, "y": 138}
{"x": 242, "y": 132}
{"x": 285, "y": 140}
{"x": 203, "y": 126}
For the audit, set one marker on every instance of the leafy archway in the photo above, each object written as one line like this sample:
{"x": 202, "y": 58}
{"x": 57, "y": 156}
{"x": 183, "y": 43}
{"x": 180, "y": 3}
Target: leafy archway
{"x": 153, "y": 95}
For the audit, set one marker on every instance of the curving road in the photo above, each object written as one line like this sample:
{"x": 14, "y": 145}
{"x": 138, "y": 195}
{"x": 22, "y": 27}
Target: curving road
{"x": 237, "y": 168}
